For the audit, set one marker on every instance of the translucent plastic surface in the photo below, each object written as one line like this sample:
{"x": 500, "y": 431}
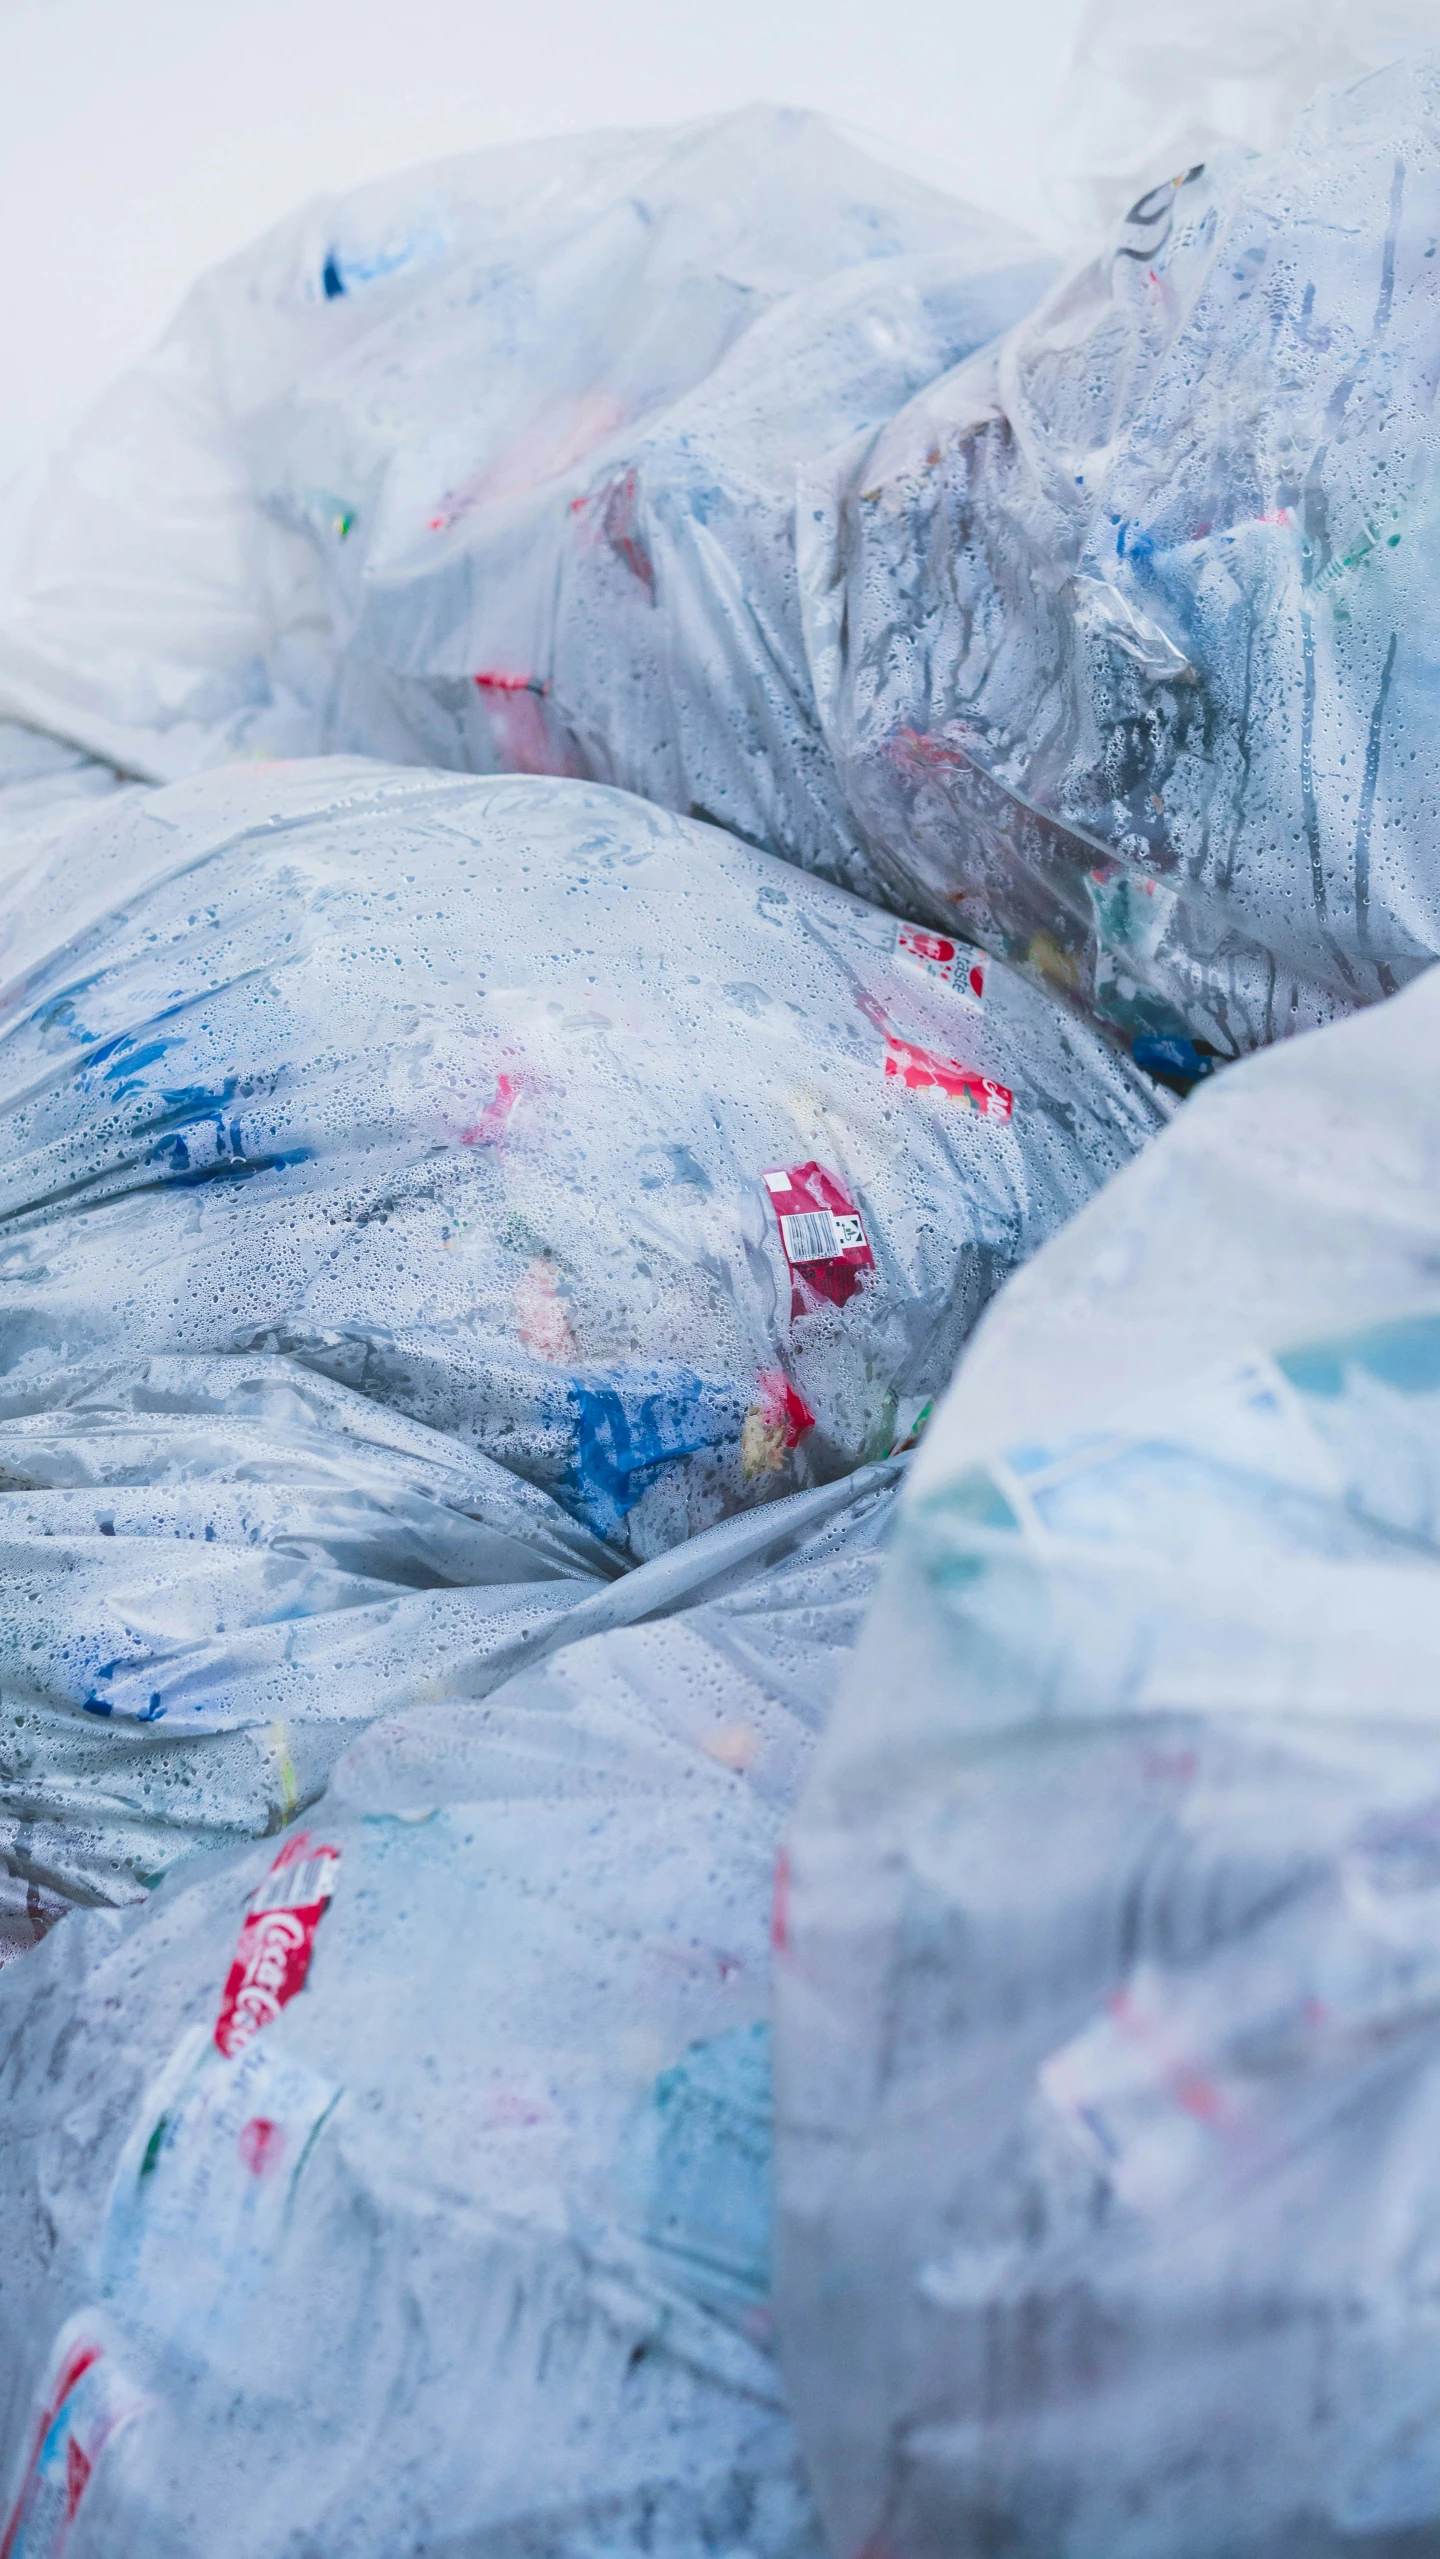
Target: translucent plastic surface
{"x": 1125, "y": 632}
{"x": 412, "y": 2193}
{"x": 1151, "y": 92}
{"x": 1107, "y": 2076}
{"x": 425, "y": 1198}
{"x": 43, "y": 784}
{"x": 662, "y": 1175}
{"x": 493, "y": 466}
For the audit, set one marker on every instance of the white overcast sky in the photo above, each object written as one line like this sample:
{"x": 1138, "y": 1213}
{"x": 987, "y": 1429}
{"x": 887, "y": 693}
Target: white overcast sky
{"x": 141, "y": 139}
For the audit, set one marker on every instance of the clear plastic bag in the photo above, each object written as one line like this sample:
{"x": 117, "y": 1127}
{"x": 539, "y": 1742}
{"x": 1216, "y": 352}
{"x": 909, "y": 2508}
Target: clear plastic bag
{"x": 655, "y": 1171}
{"x": 43, "y": 784}
{"x": 404, "y": 2184}
{"x": 223, "y": 1569}
{"x": 492, "y": 466}
{"x": 1123, "y": 632}
{"x": 1148, "y": 94}
{"x": 1106, "y": 2010}
{"x": 426, "y": 1198}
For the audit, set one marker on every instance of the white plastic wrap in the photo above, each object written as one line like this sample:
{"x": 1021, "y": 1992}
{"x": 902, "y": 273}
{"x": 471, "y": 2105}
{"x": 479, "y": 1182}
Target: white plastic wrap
{"x": 423, "y": 1198}
{"x": 43, "y": 784}
{"x": 1108, "y": 2083}
{"x": 218, "y": 1572}
{"x": 493, "y": 466}
{"x": 1124, "y": 633}
{"x": 1151, "y": 92}
{"x": 661, "y": 1174}
{"x": 426, "y": 2207}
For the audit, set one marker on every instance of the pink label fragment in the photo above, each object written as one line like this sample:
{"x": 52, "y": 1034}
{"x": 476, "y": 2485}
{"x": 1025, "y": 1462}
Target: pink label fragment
{"x": 921, "y": 1070}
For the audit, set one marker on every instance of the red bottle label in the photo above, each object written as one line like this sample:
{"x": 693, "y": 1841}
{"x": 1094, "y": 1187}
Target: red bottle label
{"x": 822, "y": 1233}
{"x": 277, "y": 1939}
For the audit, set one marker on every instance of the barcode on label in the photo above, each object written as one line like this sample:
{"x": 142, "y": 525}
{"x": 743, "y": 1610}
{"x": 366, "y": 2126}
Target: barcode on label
{"x": 297, "y": 1887}
{"x": 818, "y": 1235}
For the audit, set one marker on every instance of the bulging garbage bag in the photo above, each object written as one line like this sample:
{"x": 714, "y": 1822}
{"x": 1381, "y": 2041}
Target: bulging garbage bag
{"x": 638, "y": 1162}
{"x": 1124, "y": 631}
{"x": 403, "y": 2185}
{"x": 1107, "y": 2058}
{"x": 493, "y": 466}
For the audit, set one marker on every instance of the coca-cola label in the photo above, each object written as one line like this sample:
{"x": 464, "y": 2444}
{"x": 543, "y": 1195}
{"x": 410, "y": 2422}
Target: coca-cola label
{"x": 956, "y": 964}
{"x": 822, "y": 1233}
{"x": 277, "y": 1939}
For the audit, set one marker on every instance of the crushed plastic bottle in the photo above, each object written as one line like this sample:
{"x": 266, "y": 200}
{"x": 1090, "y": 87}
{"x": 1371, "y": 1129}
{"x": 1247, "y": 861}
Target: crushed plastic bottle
{"x": 1106, "y": 1996}
{"x": 425, "y": 1198}
{"x": 404, "y": 2184}
{"x": 1123, "y": 632}
{"x": 492, "y": 466}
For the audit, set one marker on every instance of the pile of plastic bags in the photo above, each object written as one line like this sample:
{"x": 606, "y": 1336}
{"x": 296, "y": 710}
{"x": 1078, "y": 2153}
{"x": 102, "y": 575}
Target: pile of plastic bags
{"x": 1106, "y": 2001}
{"x": 811, "y": 735}
{"x": 404, "y": 2183}
{"x": 1124, "y": 631}
{"x": 424, "y": 1196}
{"x": 494, "y": 467}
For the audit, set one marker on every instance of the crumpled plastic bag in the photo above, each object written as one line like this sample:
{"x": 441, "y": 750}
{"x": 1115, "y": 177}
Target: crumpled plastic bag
{"x": 1124, "y": 632}
{"x": 493, "y": 466}
{"x": 223, "y": 1569}
{"x": 43, "y": 784}
{"x": 1149, "y": 93}
{"x": 645, "y": 1166}
{"x": 426, "y": 1198}
{"x": 1106, "y": 2066}
{"x": 219, "y": 1571}
{"x": 1298, "y": 1198}
{"x": 404, "y": 2184}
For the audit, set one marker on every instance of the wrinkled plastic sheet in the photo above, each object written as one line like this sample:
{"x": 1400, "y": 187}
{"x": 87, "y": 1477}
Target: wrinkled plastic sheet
{"x": 1106, "y": 2001}
{"x": 1123, "y": 631}
{"x": 380, "y": 1279}
{"x": 407, "y": 2179}
{"x": 44, "y": 783}
{"x": 1147, "y": 94}
{"x": 493, "y": 466}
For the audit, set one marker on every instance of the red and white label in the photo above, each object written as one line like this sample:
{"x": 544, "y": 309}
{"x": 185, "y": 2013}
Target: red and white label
{"x": 85, "y": 2400}
{"x": 277, "y": 1939}
{"x": 957, "y": 964}
{"x": 822, "y": 1232}
{"x": 922, "y": 1070}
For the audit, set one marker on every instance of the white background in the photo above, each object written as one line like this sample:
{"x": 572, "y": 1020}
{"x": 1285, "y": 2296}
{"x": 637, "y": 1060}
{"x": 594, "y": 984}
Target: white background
{"x": 142, "y": 139}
